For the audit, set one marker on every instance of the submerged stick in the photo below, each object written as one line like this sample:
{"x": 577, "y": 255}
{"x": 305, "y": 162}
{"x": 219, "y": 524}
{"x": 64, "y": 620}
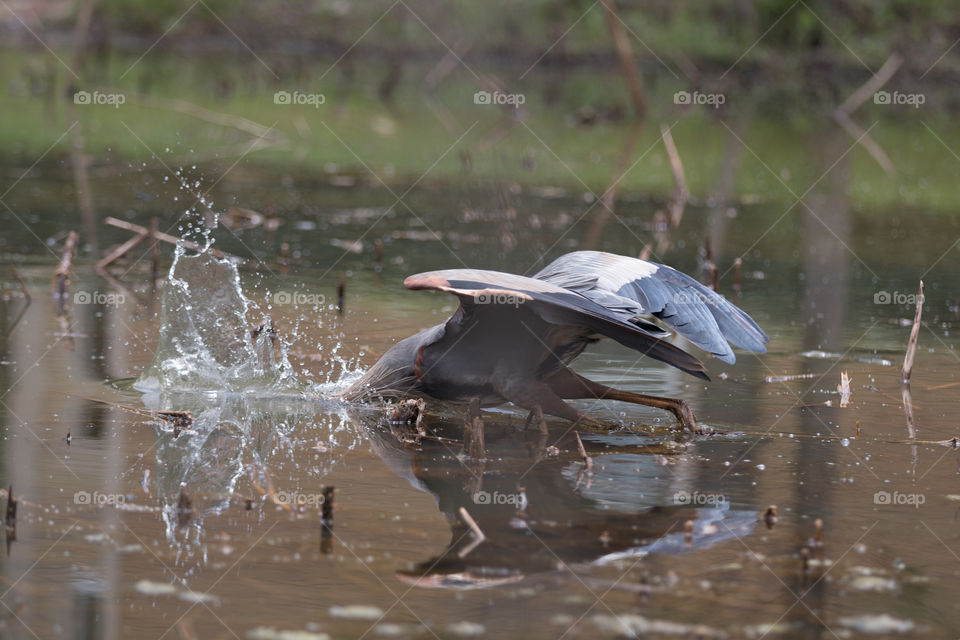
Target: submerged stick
{"x": 473, "y": 440}
{"x": 10, "y": 519}
{"x": 283, "y": 259}
{"x": 184, "y": 509}
{"x": 770, "y": 516}
{"x": 378, "y": 255}
{"x": 326, "y": 520}
{"x": 914, "y": 336}
{"x": 23, "y": 287}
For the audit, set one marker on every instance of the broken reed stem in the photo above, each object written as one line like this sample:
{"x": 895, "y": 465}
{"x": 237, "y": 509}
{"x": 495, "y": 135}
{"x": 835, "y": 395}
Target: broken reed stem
{"x": 341, "y": 293}
{"x": 628, "y": 65}
{"x": 474, "y": 527}
{"x": 856, "y": 99}
{"x": 166, "y": 237}
{"x": 154, "y": 251}
{"x": 123, "y": 249}
{"x": 478, "y": 536}
{"x": 871, "y": 86}
{"x": 61, "y": 277}
{"x": 681, "y": 193}
{"x": 914, "y": 336}
{"x": 587, "y": 460}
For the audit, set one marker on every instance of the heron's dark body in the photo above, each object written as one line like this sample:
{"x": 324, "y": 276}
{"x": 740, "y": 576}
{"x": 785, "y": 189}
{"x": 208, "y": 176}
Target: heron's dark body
{"x": 512, "y": 337}
{"x": 457, "y": 370}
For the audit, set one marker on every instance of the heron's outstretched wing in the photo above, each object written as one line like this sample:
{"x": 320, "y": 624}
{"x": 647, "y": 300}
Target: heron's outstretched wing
{"x": 478, "y": 289}
{"x": 629, "y": 288}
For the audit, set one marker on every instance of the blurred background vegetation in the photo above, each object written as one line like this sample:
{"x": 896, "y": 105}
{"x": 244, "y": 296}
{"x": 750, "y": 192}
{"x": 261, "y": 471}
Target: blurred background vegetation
{"x": 398, "y": 80}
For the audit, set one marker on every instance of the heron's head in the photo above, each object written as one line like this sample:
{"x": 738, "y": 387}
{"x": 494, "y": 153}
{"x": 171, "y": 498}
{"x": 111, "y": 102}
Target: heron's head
{"x": 393, "y": 375}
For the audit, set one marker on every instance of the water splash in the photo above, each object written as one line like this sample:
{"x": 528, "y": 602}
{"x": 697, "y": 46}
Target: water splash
{"x": 206, "y": 338}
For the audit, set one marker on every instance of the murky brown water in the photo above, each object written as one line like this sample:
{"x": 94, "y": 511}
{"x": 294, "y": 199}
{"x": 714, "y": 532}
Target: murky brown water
{"x": 566, "y": 554}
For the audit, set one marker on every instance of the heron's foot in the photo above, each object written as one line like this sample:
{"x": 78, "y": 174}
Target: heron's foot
{"x": 593, "y": 423}
{"x": 685, "y": 416}
{"x": 535, "y": 417}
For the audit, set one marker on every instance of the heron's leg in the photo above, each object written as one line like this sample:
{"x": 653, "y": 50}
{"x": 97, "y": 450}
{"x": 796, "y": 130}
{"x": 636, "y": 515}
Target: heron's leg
{"x": 536, "y": 417}
{"x": 567, "y": 384}
{"x": 537, "y": 395}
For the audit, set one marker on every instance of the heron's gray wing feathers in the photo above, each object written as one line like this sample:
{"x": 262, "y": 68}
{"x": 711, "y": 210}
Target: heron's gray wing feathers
{"x": 557, "y": 305}
{"x": 629, "y": 288}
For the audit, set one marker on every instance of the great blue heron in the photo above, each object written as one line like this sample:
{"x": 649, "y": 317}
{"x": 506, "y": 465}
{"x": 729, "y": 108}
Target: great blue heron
{"x": 513, "y": 337}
